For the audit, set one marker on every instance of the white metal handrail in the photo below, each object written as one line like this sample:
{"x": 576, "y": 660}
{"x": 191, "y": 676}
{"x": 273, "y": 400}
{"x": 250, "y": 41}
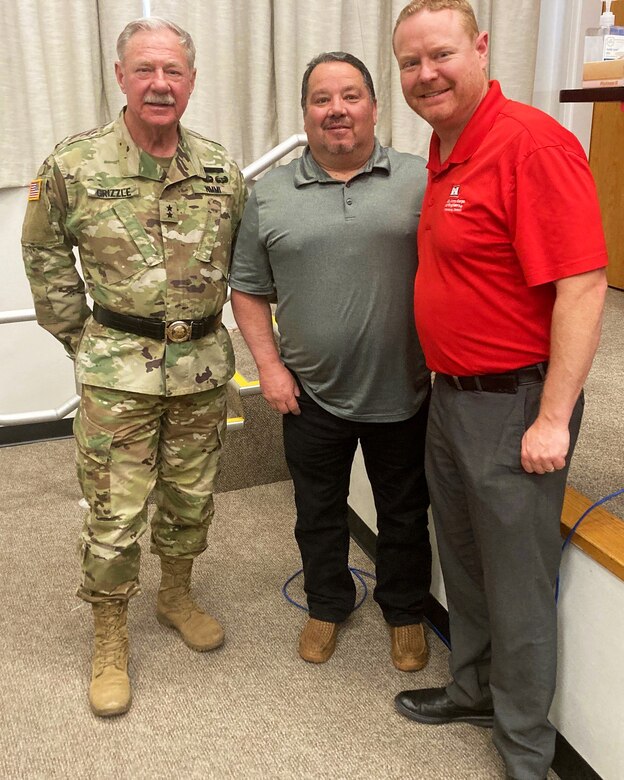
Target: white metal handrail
{"x": 27, "y": 315}
{"x": 19, "y": 315}
{"x": 281, "y": 150}
{"x": 49, "y": 415}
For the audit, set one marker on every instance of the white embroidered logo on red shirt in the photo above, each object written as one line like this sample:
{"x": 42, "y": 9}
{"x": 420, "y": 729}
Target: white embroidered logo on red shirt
{"x": 454, "y": 202}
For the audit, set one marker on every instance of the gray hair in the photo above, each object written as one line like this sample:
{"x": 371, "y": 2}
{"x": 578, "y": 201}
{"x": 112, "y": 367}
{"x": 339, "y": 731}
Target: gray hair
{"x": 150, "y": 23}
{"x": 336, "y": 56}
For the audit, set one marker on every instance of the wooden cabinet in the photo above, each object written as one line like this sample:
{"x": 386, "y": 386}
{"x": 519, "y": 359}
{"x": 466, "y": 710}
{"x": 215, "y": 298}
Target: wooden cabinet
{"x": 606, "y": 158}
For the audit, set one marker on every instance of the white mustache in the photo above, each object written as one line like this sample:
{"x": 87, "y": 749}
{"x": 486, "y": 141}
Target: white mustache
{"x": 160, "y": 100}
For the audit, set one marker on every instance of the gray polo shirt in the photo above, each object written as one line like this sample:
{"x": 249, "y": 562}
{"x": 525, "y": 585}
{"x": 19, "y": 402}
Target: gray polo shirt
{"x": 341, "y": 257}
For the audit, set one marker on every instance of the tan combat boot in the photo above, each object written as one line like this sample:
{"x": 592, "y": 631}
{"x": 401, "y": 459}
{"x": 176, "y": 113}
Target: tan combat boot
{"x": 409, "y": 647}
{"x": 318, "y": 640}
{"x": 109, "y": 692}
{"x": 176, "y": 609}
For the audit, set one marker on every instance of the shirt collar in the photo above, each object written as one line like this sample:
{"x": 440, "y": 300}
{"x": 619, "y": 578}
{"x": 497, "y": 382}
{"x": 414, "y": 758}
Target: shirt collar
{"x": 133, "y": 161}
{"x": 479, "y": 125}
{"x": 309, "y": 171}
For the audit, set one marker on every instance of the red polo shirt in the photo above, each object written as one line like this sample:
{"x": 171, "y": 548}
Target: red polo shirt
{"x": 512, "y": 209}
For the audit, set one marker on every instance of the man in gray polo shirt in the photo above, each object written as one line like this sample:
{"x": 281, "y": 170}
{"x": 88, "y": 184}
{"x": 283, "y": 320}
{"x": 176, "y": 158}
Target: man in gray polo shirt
{"x": 333, "y": 234}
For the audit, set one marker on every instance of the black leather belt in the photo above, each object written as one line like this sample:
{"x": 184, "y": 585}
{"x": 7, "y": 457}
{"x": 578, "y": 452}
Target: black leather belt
{"x": 507, "y": 382}
{"x": 176, "y": 330}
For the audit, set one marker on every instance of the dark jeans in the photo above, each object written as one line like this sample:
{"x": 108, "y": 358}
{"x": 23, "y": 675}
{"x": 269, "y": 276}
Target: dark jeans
{"x": 319, "y": 451}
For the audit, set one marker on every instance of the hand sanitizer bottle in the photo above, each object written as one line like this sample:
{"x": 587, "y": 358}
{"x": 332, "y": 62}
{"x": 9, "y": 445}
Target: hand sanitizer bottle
{"x": 605, "y": 42}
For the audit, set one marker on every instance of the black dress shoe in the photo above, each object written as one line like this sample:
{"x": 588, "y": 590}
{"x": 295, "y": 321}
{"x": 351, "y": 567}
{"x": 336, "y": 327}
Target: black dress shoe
{"x": 433, "y": 705}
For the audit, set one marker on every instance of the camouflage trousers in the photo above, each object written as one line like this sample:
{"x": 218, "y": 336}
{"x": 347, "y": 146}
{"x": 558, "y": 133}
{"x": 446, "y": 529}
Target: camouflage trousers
{"x": 129, "y": 444}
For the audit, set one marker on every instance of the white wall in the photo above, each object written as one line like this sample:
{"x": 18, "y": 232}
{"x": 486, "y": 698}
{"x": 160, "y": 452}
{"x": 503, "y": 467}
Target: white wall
{"x": 587, "y": 708}
{"x": 36, "y": 374}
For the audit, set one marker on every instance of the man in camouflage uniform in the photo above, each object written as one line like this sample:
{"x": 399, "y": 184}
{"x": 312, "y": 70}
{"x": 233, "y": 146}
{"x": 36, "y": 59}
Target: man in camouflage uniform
{"x": 153, "y": 209}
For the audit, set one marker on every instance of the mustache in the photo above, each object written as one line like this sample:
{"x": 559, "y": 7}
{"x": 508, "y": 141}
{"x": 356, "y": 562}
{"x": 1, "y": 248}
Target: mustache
{"x": 331, "y": 124}
{"x": 159, "y": 100}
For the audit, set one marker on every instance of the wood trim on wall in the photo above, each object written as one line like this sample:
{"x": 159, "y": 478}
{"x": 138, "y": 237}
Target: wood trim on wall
{"x": 600, "y": 535}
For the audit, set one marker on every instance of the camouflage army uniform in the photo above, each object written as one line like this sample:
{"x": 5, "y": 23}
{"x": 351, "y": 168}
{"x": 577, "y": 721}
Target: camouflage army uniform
{"x": 153, "y": 243}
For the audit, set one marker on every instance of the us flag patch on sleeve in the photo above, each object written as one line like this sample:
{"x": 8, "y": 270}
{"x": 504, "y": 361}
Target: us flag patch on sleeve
{"x": 34, "y": 191}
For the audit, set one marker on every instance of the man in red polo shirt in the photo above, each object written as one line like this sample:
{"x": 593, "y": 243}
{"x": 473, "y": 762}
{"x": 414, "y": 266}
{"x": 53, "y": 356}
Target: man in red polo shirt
{"x": 508, "y": 298}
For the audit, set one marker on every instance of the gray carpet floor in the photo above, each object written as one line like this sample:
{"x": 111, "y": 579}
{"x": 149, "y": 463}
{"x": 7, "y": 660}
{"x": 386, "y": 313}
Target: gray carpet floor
{"x": 251, "y": 709}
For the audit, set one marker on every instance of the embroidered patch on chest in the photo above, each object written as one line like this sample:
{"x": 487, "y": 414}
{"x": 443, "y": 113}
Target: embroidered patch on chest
{"x": 454, "y": 202}
{"x": 112, "y": 193}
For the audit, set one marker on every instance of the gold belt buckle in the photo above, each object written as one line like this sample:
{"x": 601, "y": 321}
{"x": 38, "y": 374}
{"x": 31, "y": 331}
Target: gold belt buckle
{"x": 178, "y": 331}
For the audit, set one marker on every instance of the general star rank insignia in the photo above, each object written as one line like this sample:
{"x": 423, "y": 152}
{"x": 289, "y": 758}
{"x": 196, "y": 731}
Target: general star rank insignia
{"x": 168, "y": 212}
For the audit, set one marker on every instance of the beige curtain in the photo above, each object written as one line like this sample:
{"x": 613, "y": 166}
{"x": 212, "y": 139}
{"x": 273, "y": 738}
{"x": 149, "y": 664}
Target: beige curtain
{"x": 250, "y": 58}
{"x": 51, "y": 83}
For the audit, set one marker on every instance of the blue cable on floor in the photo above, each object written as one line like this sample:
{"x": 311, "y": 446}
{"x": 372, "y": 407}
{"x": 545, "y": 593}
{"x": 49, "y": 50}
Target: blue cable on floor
{"x": 359, "y": 574}
{"x": 578, "y": 522}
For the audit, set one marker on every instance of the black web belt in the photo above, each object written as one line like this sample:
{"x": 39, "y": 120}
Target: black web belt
{"x": 507, "y": 382}
{"x": 176, "y": 330}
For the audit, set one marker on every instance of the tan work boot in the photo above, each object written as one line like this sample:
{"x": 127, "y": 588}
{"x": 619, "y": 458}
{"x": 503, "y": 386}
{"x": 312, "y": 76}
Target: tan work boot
{"x": 176, "y": 609}
{"x": 109, "y": 692}
{"x": 409, "y": 647}
{"x": 318, "y": 640}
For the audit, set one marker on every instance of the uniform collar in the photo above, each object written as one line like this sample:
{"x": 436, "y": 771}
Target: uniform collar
{"x": 479, "y": 125}
{"x": 133, "y": 161}
{"x": 309, "y": 171}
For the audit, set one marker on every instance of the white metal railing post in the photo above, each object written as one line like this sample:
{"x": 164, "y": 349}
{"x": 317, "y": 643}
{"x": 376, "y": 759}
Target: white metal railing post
{"x": 28, "y": 315}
